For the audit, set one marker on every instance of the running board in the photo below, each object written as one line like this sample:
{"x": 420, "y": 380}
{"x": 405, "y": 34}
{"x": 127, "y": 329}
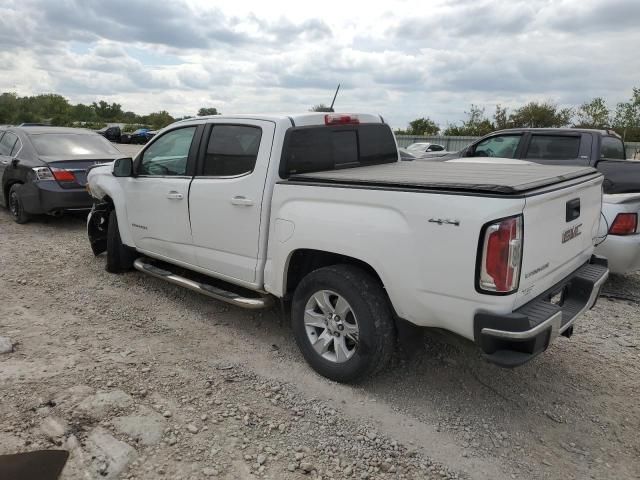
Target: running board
{"x": 143, "y": 265}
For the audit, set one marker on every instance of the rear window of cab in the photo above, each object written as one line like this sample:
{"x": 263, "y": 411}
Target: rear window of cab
{"x": 319, "y": 148}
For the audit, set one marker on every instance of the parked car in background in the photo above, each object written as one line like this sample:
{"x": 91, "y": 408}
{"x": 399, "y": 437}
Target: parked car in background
{"x": 425, "y": 147}
{"x": 43, "y": 169}
{"x": 601, "y": 149}
{"x": 316, "y": 209}
{"x": 407, "y": 155}
{"x": 113, "y": 134}
{"x": 140, "y": 136}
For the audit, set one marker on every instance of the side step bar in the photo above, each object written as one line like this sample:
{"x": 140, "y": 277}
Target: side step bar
{"x": 143, "y": 265}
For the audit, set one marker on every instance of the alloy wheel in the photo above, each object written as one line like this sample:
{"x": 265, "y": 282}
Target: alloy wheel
{"x": 331, "y": 326}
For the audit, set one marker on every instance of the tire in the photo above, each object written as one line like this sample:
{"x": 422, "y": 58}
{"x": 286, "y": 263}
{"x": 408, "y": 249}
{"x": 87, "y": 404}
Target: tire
{"x": 15, "y": 205}
{"x": 120, "y": 258}
{"x": 368, "y": 319}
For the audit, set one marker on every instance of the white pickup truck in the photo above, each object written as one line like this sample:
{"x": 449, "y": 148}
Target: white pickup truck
{"x": 316, "y": 211}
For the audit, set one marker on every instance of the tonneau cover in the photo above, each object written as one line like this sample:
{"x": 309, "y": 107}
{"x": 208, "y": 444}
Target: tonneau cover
{"x": 486, "y": 177}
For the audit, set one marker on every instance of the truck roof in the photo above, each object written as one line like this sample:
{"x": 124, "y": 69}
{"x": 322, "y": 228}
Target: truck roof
{"x": 556, "y": 130}
{"x": 297, "y": 119}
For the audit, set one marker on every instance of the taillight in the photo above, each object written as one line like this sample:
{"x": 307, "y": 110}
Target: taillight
{"x": 62, "y": 175}
{"x": 499, "y": 270}
{"x": 341, "y": 119}
{"x": 624, "y": 224}
{"x": 42, "y": 173}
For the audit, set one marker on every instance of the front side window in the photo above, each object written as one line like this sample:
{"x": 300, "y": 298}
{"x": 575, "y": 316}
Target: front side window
{"x": 168, "y": 155}
{"x": 612, "y": 148}
{"x": 7, "y": 143}
{"x": 232, "y": 150}
{"x": 435, "y": 148}
{"x": 503, "y": 146}
{"x": 553, "y": 147}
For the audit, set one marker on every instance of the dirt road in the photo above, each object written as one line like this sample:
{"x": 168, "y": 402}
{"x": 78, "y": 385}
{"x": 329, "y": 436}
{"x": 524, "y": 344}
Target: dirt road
{"x": 140, "y": 379}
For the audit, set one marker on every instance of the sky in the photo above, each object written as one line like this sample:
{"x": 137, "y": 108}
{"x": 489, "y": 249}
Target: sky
{"x": 403, "y": 59}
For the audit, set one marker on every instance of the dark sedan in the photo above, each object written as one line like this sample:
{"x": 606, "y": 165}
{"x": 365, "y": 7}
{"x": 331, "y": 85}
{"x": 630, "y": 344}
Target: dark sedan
{"x": 113, "y": 133}
{"x": 140, "y": 136}
{"x": 43, "y": 170}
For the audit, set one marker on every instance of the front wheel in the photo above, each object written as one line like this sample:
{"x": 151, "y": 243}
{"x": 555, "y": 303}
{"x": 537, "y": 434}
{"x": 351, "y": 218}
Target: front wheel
{"x": 342, "y": 323}
{"x": 120, "y": 258}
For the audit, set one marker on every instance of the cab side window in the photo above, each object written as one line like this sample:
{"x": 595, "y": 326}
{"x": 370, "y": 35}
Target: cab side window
{"x": 553, "y": 147}
{"x": 232, "y": 150}
{"x": 612, "y": 148}
{"x": 168, "y": 155}
{"x": 503, "y": 146}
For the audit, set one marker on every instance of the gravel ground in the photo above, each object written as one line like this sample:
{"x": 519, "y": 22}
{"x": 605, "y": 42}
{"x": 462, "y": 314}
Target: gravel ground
{"x": 140, "y": 379}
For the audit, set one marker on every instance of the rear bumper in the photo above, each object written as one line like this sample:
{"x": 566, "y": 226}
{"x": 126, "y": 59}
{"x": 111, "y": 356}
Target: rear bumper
{"x": 49, "y": 197}
{"x": 513, "y": 339}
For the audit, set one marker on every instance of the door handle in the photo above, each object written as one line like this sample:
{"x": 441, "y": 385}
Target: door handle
{"x": 243, "y": 201}
{"x": 173, "y": 195}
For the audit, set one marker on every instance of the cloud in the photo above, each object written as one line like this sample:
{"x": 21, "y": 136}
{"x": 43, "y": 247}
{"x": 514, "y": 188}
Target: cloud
{"x": 412, "y": 59}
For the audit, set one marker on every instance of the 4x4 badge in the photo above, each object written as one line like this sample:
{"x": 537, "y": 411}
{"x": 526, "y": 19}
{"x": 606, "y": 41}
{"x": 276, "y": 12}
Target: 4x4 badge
{"x": 571, "y": 233}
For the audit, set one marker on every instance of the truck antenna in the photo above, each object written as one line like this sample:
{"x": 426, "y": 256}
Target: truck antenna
{"x": 334, "y": 99}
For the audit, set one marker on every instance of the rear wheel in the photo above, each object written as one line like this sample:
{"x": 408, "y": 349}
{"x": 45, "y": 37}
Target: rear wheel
{"x": 120, "y": 258}
{"x": 342, "y": 323}
{"x": 16, "y": 208}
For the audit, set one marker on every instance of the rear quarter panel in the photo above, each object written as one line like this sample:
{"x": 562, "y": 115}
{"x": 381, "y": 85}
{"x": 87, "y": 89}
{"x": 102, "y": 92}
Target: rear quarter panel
{"x": 427, "y": 269}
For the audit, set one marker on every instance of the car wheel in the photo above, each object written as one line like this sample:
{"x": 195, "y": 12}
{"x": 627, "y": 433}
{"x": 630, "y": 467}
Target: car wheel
{"x": 342, "y": 323}
{"x": 120, "y": 258}
{"x": 16, "y": 207}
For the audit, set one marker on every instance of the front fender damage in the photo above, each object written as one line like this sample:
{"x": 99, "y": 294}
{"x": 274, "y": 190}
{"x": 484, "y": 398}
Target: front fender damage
{"x": 97, "y": 224}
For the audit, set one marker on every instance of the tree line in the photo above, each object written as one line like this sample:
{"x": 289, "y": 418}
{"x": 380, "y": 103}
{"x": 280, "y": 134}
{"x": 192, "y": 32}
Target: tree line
{"x": 624, "y": 119}
{"x": 54, "y": 109}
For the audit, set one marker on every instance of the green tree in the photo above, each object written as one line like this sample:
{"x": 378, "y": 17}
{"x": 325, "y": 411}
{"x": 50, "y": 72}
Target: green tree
{"x": 159, "y": 119}
{"x": 107, "y": 112}
{"x": 204, "y": 111}
{"x": 476, "y": 124}
{"x": 541, "y": 115}
{"x": 593, "y": 114}
{"x": 500, "y": 118}
{"x": 423, "y": 126}
{"x": 8, "y": 107}
{"x": 83, "y": 113}
{"x": 626, "y": 119}
{"x": 321, "y": 107}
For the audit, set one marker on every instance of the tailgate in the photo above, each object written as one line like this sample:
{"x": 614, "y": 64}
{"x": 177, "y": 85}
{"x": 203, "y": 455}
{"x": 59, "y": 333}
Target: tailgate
{"x": 560, "y": 225}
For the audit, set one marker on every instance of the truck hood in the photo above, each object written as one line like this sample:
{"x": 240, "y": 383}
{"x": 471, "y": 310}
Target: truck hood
{"x": 94, "y": 172}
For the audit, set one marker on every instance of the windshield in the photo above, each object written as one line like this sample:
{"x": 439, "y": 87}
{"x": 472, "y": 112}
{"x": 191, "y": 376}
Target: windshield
{"x": 61, "y": 144}
{"x": 418, "y": 146}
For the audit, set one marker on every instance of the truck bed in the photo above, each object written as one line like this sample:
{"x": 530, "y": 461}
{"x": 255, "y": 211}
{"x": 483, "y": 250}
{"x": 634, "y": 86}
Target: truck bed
{"x": 485, "y": 178}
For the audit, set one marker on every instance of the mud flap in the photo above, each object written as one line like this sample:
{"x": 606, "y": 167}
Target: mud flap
{"x": 97, "y": 225}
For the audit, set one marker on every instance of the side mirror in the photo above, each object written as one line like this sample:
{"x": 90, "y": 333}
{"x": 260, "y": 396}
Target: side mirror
{"x": 123, "y": 167}
{"x": 468, "y": 152}
{"x": 14, "y": 162}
